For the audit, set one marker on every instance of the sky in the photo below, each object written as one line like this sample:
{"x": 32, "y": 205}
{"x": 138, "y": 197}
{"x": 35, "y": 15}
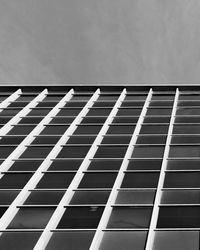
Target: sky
{"x": 99, "y": 41}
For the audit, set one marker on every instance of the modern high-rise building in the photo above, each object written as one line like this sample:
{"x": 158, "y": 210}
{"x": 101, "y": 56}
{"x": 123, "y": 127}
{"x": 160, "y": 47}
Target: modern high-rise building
{"x": 100, "y": 168}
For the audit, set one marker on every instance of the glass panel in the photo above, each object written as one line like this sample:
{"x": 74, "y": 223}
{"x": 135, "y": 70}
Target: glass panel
{"x": 44, "y": 198}
{"x": 183, "y": 164}
{"x": 12, "y": 181}
{"x": 7, "y": 197}
{"x": 87, "y": 129}
{"x": 36, "y": 152}
{"x": 159, "y": 111}
{"x": 176, "y": 240}
{"x": 184, "y": 151}
{"x": 151, "y": 139}
{"x": 6, "y": 151}
{"x": 121, "y": 129}
{"x": 75, "y": 104}
{"x": 81, "y": 139}
{"x": 135, "y": 97}
{"x": 162, "y": 97}
{"x": 31, "y": 218}
{"x": 135, "y": 197}
{"x": 132, "y": 104}
{"x": 125, "y": 119}
{"x": 148, "y": 152}
{"x": 14, "y": 140}
{"x": 23, "y": 240}
{"x": 78, "y": 240}
{"x": 25, "y": 165}
{"x": 39, "y": 112}
{"x": 129, "y": 240}
{"x": 184, "y": 139}
{"x": 157, "y": 119}
{"x": 100, "y": 120}
{"x": 59, "y": 165}
{"x": 154, "y": 129}
{"x": 181, "y": 197}
{"x": 128, "y": 111}
{"x": 81, "y": 217}
{"x": 46, "y": 104}
{"x": 98, "y": 180}
{"x": 99, "y": 112}
{"x": 62, "y": 120}
{"x": 110, "y": 152}
{"x": 73, "y": 152}
{"x": 179, "y": 217}
{"x": 90, "y": 197}
{"x": 69, "y": 112}
{"x": 116, "y": 140}
{"x": 105, "y": 164}
{"x": 55, "y": 180}
{"x": 103, "y": 104}
{"x": 189, "y": 103}
{"x": 21, "y": 129}
{"x": 187, "y": 119}
{"x": 129, "y": 217}
{"x": 188, "y": 111}
{"x": 54, "y": 130}
{"x": 161, "y": 103}
{"x": 191, "y": 129}
{"x": 182, "y": 180}
{"x": 189, "y": 97}
{"x": 144, "y": 164}
{"x": 140, "y": 180}
{"x": 30, "y": 120}
{"x": 46, "y": 140}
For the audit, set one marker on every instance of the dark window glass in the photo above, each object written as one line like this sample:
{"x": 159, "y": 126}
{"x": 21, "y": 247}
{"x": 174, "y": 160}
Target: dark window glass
{"x": 62, "y": 120}
{"x": 69, "y": 112}
{"x": 81, "y": 139}
{"x": 189, "y": 103}
{"x": 25, "y": 165}
{"x": 188, "y": 129}
{"x": 46, "y": 140}
{"x": 4, "y": 120}
{"x": 21, "y": 240}
{"x": 6, "y": 151}
{"x": 17, "y": 104}
{"x": 129, "y": 217}
{"x": 50, "y": 98}
{"x": 185, "y": 139}
{"x": 80, "y": 97}
{"x": 159, "y": 111}
{"x": 129, "y": 240}
{"x": 59, "y": 165}
{"x": 144, "y": 164}
{"x": 116, "y": 140}
{"x": 181, "y": 197}
{"x": 108, "y": 97}
{"x": 25, "y": 98}
{"x": 39, "y": 112}
{"x": 188, "y": 111}
{"x": 140, "y": 180}
{"x": 81, "y": 217}
{"x": 161, "y": 103}
{"x": 90, "y": 197}
{"x": 135, "y": 197}
{"x": 189, "y": 97}
{"x": 179, "y": 217}
{"x": 12, "y": 181}
{"x": 183, "y": 164}
{"x": 54, "y": 130}
{"x": 73, "y": 152}
{"x": 125, "y": 119}
{"x": 128, "y": 111}
{"x": 148, "y": 152}
{"x": 98, "y": 180}
{"x": 105, "y": 164}
{"x": 182, "y": 180}
{"x": 100, "y": 120}
{"x": 30, "y": 120}
{"x": 121, "y": 129}
{"x": 14, "y": 140}
{"x": 132, "y": 104}
{"x": 21, "y": 130}
{"x": 103, "y": 104}
{"x": 77, "y": 240}
{"x": 9, "y": 111}
{"x": 157, "y": 119}
{"x": 99, "y": 112}
{"x": 151, "y": 139}
{"x": 135, "y": 97}
{"x": 36, "y": 152}
{"x": 46, "y": 104}
{"x": 110, "y": 152}
{"x": 44, "y": 198}
{"x": 184, "y": 151}
{"x": 55, "y": 180}
{"x": 31, "y": 218}
{"x": 75, "y": 104}
{"x": 187, "y": 119}
{"x": 162, "y": 97}
{"x": 176, "y": 240}
{"x": 87, "y": 129}
{"x": 7, "y": 197}
{"x": 154, "y": 129}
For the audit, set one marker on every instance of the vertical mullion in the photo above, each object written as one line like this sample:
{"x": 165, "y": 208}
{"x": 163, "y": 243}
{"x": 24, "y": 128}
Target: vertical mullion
{"x": 8, "y": 126}
{"x": 11, "y": 98}
{"x": 13, "y": 209}
{"x": 154, "y": 217}
{"x": 57, "y": 215}
{"x": 108, "y": 209}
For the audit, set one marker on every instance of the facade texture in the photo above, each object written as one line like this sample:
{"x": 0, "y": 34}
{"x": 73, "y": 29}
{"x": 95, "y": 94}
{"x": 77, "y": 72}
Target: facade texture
{"x": 109, "y": 168}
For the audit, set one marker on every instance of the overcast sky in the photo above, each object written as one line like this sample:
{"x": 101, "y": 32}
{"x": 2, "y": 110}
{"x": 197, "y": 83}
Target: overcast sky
{"x": 99, "y": 41}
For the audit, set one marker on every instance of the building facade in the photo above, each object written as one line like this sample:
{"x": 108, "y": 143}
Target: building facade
{"x": 110, "y": 167}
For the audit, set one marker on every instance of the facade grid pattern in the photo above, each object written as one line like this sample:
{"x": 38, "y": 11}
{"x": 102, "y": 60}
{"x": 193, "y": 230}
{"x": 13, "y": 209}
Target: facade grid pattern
{"x": 86, "y": 168}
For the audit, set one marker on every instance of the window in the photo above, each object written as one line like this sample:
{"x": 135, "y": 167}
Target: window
{"x": 191, "y": 129}
{"x": 140, "y": 164}
{"x": 181, "y": 197}
{"x": 140, "y": 180}
{"x": 25, "y": 165}
{"x": 187, "y": 119}
{"x": 154, "y": 129}
{"x": 61, "y": 165}
{"x": 185, "y": 164}
{"x": 54, "y": 130}
{"x": 110, "y": 152}
{"x": 129, "y": 217}
{"x": 87, "y": 129}
{"x": 159, "y": 111}
{"x": 81, "y": 139}
{"x": 46, "y": 140}
{"x": 73, "y": 152}
{"x": 44, "y": 198}
{"x": 14, "y": 181}
{"x": 36, "y": 152}
{"x": 14, "y": 140}
{"x": 148, "y": 152}
{"x": 69, "y": 112}
{"x": 7, "y": 196}
{"x": 185, "y": 139}
{"x": 188, "y": 111}
{"x": 157, "y": 119}
{"x": 81, "y": 217}
{"x": 121, "y": 129}
{"x": 90, "y": 197}
{"x": 94, "y": 119}
{"x": 129, "y": 111}
{"x": 135, "y": 197}
{"x": 151, "y": 139}
{"x": 30, "y": 120}
{"x": 5, "y": 151}
{"x": 184, "y": 151}
{"x": 62, "y": 120}
{"x": 105, "y": 164}
{"x": 99, "y": 112}
{"x": 116, "y": 139}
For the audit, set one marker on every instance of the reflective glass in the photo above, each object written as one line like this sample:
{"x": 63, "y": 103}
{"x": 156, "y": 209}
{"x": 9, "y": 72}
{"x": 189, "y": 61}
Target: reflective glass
{"x": 184, "y": 151}
{"x": 154, "y": 129}
{"x": 135, "y": 197}
{"x": 44, "y": 198}
{"x": 188, "y": 129}
{"x": 186, "y": 164}
{"x": 7, "y": 196}
{"x": 87, "y": 129}
{"x": 105, "y": 164}
{"x": 152, "y": 139}
{"x": 148, "y": 152}
{"x": 36, "y": 152}
{"x": 121, "y": 129}
{"x": 140, "y": 164}
{"x": 181, "y": 197}
{"x": 110, "y": 152}
{"x": 61, "y": 164}
{"x": 140, "y": 180}
{"x": 14, "y": 181}
{"x": 73, "y": 152}
{"x": 25, "y": 165}
{"x": 90, "y": 197}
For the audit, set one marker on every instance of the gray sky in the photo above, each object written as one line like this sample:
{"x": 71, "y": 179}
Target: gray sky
{"x": 99, "y": 41}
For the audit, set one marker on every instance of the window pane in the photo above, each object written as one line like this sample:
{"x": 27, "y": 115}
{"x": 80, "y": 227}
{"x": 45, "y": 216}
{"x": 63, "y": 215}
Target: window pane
{"x": 116, "y": 139}
{"x": 135, "y": 197}
{"x": 90, "y": 197}
{"x": 191, "y": 129}
{"x": 100, "y": 120}
{"x": 176, "y": 240}
{"x": 184, "y": 151}
{"x": 59, "y": 165}
{"x": 44, "y": 198}
{"x": 121, "y": 129}
{"x": 62, "y": 120}
{"x": 7, "y": 197}
{"x": 125, "y": 119}
{"x": 140, "y": 180}
{"x": 148, "y": 152}
{"x": 181, "y": 197}
{"x": 30, "y": 120}
{"x": 103, "y": 104}
{"x": 179, "y": 217}
{"x": 81, "y": 217}
{"x": 159, "y": 111}
{"x": 144, "y": 164}
{"x": 98, "y": 180}
{"x": 12, "y": 181}
{"x": 87, "y": 129}
{"x": 132, "y": 104}
{"x": 128, "y": 111}
{"x": 151, "y": 139}
{"x": 110, "y": 152}
{"x": 157, "y": 119}
{"x": 81, "y": 139}
{"x": 23, "y": 240}
{"x": 187, "y": 119}
{"x": 99, "y": 111}
{"x": 73, "y": 152}
{"x": 129, "y": 240}
{"x": 154, "y": 129}
{"x": 161, "y": 103}
{"x": 105, "y": 164}
{"x": 21, "y": 129}
{"x": 129, "y": 217}
{"x": 188, "y": 111}
{"x": 31, "y": 218}
{"x": 69, "y": 112}
{"x": 46, "y": 140}
{"x": 39, "y": 112}
{"x": 14, "y": 140}
{"x": 183, "y": 164}
{"x": 55, "y": 180}
{"x": 54, "y": 130}
{"x": 185, "y": 139}
{"x": 25, "y": 165}
{"x": 78, "y": 240}
{"x": 5, "y": 151}
{"x": 36, "y": 152}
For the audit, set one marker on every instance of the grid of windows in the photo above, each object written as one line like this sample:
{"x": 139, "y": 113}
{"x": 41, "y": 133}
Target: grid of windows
{"x": 106, "y": 168}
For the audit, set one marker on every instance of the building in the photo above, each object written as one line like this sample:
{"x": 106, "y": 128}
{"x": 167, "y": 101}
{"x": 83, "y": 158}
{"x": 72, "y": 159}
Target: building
{"x": 109, "y": 167}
